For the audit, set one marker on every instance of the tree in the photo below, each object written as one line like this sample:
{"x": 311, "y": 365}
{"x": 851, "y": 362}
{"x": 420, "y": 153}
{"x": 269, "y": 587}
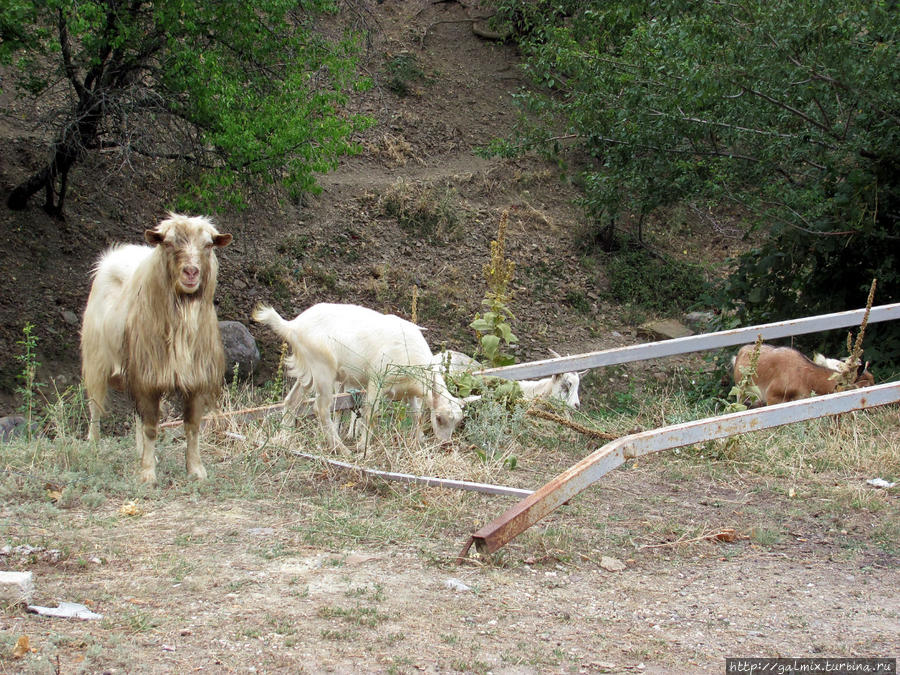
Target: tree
{"x": 244, "y": 91}
{"x": 788, "y": 109}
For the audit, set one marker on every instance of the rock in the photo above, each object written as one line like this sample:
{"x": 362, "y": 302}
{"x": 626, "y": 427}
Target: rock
{"x": 71, "y": 318}
{"x": 699, "y": 320}
{"x": 611, "y": 564}
{"x": 240, "y": 348}
{"x": 16, "y": 587}
{"x": 666, "y": 329}
{"x": 12, "y": 426}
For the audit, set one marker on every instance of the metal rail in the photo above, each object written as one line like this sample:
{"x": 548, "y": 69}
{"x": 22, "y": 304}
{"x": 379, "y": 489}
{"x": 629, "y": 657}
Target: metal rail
{"x": 589, "y": 470}
{"x": 694, "y": 343}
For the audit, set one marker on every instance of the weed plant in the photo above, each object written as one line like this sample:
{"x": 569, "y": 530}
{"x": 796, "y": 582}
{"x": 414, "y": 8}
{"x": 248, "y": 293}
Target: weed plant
{"x": 402, "y": 70}
{"x": 429, "y": 212}
{"x": 493, "y": 325}
{"x": 29, "y": 387}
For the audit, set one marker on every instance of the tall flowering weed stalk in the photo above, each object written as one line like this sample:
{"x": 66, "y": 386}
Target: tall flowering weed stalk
{"x": 492, "y": 327}
{"x": 847, "y": 375}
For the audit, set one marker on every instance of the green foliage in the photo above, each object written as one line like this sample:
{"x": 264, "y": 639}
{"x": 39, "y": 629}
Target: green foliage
{"x": 789, "y": 111}
{"x": 665, "y": 286}
{"x": 250, "y": 93}
{"x": 463, "y": 384}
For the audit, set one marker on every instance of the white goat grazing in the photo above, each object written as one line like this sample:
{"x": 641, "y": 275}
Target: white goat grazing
{"x": 827, "y": 362}
{"x": 561, "y": 386}
{"x": 150, "y": 328}
{"x": 349, "y": 346}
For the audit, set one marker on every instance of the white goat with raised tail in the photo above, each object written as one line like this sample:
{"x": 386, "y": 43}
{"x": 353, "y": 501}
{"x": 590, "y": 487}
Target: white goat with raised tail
{"x": 150, "y": 328}
{"x": 347, "y": 346}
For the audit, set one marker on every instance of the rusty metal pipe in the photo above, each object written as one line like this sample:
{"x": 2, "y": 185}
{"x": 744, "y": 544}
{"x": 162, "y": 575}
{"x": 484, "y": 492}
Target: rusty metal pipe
{"x": 580, "y": 476}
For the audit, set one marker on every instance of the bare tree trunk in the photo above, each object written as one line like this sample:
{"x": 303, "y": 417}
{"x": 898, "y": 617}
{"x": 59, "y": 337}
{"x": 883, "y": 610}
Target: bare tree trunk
{"x": 67, "y": 150}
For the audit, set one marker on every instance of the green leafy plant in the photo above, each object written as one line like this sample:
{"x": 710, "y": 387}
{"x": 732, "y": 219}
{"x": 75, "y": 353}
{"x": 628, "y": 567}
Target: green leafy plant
{"x": 660, "y": 285}
{"x": 29, "y": 387}
{"x": 745, "y": 393}
{"x": 492, "y": 327}
{"x": 402, "y": 69}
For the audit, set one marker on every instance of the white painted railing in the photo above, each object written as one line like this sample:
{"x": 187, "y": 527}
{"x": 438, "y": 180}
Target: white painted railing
{"x": 593, "y": 467}
{"x": 694, "y": 343}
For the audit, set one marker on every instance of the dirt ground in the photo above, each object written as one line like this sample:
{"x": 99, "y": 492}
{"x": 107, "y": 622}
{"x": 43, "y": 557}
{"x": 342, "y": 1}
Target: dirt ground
{"x": 343, "y": 578}
{"x": 322, "y": 573}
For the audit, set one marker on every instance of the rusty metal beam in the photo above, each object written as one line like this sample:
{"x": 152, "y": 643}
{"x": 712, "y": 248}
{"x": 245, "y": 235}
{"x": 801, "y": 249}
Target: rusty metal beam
{"x": 589, "y": 470}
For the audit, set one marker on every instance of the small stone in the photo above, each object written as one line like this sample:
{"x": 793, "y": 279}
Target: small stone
{"x": 16, "y": 587}
{"x": 612, "y": 564}
{"x": 667, "y": 329}
{"x": 457, "y": 585}
{"x": 12, "y": 426}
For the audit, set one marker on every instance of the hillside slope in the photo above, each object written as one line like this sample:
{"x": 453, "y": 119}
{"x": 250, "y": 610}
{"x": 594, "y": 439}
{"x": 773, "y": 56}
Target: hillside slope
{"x": 416, "y": 209}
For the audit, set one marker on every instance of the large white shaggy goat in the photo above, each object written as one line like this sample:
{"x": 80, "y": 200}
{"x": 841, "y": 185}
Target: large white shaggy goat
{"x": 347, "y": 346}
{"x": 150, "y": 328}
{"x": 560, "y": 386}
{"x": 784, "y": 374}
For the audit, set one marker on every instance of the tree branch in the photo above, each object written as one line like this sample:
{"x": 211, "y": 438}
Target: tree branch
{"x": 791, "y": 109}
{"x": 66, "y": 52}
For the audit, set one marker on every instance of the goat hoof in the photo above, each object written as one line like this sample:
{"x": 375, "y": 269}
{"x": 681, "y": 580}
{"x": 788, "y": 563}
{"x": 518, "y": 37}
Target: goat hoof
{"x": 148, "y": 476}
{"x": 197, "y": 473}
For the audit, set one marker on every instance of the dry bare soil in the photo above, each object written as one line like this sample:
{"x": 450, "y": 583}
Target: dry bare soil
{"x": 281, "y": 565}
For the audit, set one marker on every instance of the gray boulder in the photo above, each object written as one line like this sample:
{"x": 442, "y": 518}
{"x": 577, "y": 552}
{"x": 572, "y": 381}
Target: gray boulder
{"x": 240, "y": 348}
{"x": 13, "y": 426}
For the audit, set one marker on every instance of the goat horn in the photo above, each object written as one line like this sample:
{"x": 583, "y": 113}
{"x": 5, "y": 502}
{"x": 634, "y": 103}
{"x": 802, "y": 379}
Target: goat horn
{"x": 554, "y": 354}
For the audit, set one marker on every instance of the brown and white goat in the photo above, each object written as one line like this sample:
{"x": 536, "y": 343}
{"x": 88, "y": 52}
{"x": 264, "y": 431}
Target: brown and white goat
{"x": 784, "y": 374}
{"x": 150, "y": 328}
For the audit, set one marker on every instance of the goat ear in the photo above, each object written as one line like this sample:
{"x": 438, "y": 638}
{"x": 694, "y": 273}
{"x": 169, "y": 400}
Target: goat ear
{"x": 153, "y": 237}
{"x": 221, "y": 240}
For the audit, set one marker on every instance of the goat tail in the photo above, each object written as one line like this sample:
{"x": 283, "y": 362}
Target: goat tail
{"x": 297, "y": 364}
{"x": 267, "y": 315}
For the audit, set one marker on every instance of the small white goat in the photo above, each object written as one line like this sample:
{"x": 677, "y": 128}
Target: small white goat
{"x": 826, "y": 362}
{"x": 347, "y": 346}
{"x": 561, "y": 386}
